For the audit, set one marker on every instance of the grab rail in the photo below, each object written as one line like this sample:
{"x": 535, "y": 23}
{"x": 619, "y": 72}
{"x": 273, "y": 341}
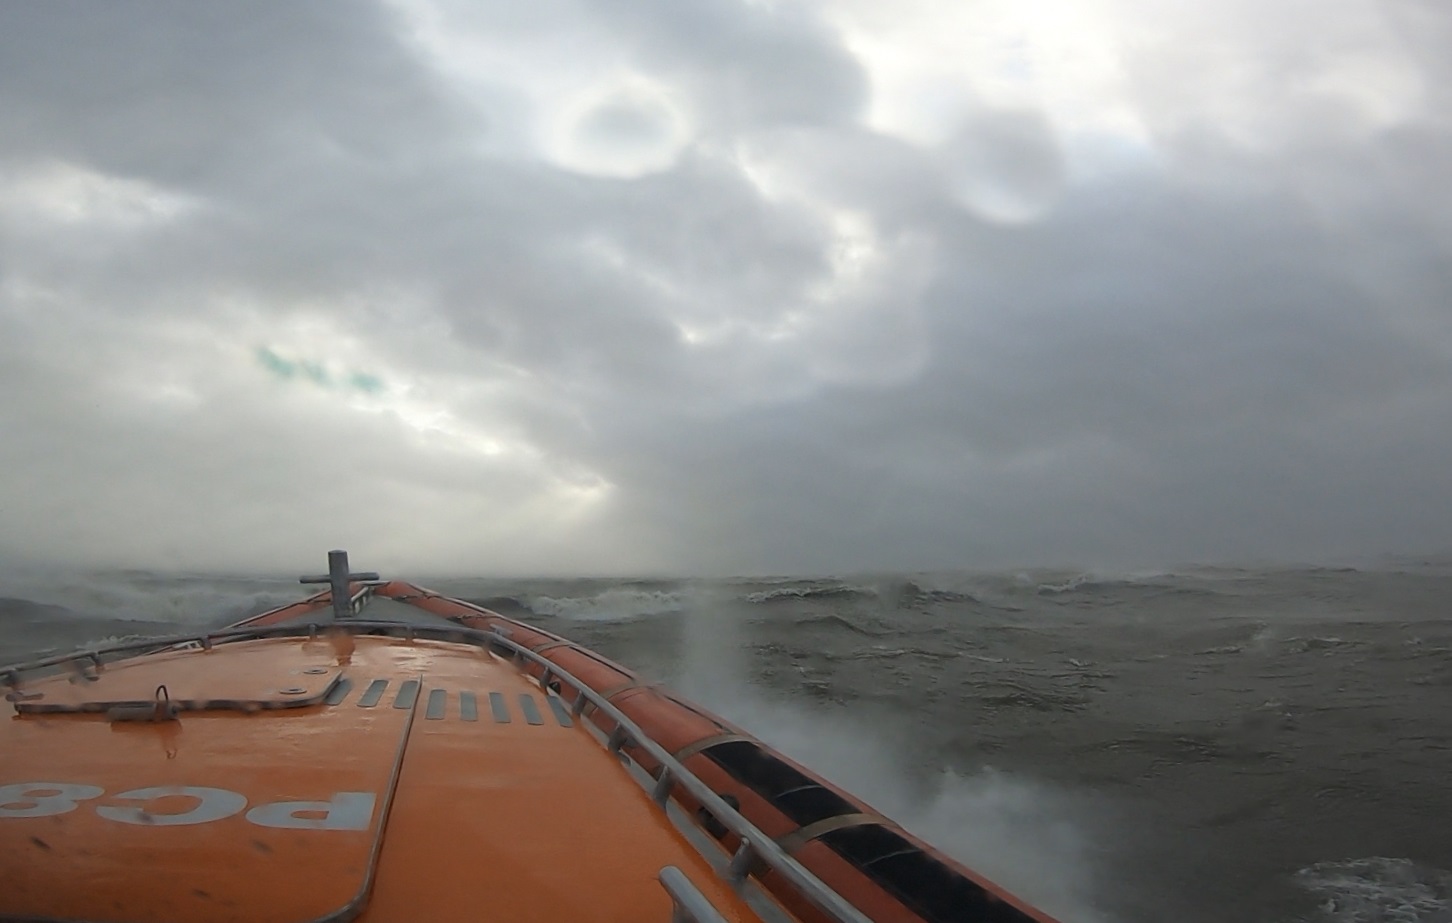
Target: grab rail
{"x": 754, "y": 844}
{"x": 691, "y": 906}
{"x": 11, "y": 674}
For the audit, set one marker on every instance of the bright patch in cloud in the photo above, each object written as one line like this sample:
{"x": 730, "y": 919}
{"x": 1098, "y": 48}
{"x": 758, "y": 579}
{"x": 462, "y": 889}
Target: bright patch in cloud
{"x": 589, "y": 111}
{"x": 68, "y": 194}
{"x": 627, "y": 129}
{"x": 933, "y": 64}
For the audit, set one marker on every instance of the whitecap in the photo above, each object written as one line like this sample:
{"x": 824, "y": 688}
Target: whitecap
{"x": 1379, "y": 890}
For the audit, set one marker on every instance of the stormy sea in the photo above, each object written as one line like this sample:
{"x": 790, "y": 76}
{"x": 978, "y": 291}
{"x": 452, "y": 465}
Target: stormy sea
{"x": 1209, "y": 744}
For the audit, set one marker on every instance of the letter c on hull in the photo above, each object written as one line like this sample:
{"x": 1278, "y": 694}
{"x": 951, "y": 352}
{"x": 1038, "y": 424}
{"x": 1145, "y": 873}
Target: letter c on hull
{"x": 212, "y": 804}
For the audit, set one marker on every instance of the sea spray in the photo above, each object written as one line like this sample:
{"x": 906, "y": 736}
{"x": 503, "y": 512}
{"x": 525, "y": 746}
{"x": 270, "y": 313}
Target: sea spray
{"x": 1026, "y": 836}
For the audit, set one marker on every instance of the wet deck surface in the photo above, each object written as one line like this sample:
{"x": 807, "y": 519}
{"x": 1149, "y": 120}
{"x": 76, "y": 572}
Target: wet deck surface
{"x": 501, "y": 803}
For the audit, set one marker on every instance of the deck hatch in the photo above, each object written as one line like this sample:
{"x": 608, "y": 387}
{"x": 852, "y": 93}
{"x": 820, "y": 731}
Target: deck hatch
{"x": 499, "y": 707}
{"x": 407, "y": 694}
{"x": 260, "y": 681}
{"x": 530, "y": 707}
{"x": 373, "y": 693}
{"x": 438, "y": 704}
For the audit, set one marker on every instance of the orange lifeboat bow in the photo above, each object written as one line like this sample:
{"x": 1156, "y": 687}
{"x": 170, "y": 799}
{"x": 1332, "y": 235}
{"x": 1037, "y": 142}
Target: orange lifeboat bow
{"x": 384, "y": 753}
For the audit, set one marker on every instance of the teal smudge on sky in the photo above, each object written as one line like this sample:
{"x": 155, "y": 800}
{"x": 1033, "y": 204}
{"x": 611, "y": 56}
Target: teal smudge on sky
{"x": 368, "y": 384}
{"x": 286, "y": 369}
{"x": 314, "y": 372}
{"x": 275, "y": 364}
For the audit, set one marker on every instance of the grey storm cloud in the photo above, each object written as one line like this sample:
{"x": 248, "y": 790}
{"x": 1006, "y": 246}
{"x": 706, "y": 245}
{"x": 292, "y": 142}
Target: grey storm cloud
{"x": 662, "y": 286}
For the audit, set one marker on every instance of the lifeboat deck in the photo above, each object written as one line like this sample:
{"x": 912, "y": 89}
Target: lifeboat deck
{"x": 414, "y": 779}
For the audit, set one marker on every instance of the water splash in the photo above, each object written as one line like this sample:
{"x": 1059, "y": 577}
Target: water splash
{"x": 1024, "y": 835}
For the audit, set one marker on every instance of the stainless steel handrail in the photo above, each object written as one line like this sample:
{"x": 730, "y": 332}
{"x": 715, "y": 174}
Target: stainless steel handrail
{"x": 10, "y": 674}
{"x": 691, "y": 906}
{"x": 754, "y": 843}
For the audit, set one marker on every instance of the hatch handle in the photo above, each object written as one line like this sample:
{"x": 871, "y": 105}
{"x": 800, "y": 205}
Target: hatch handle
{"x": 160, "y": 708}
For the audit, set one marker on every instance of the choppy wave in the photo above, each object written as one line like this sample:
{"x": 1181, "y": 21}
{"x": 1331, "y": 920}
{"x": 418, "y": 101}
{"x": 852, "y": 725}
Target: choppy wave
{"x": 145, "y": 597}
{"x": 1379, "y": 890}
{"x": 29, "y": 610}
{"x": 798, "y": 592}
{"x": 889, "y": 592}
{"x": 1076, "y": 583}
{"x": 1090, "y": 585}
{"x": 610, "y": 605}
{"x": 833, "y": 621}
{"x": 929, "y": 594}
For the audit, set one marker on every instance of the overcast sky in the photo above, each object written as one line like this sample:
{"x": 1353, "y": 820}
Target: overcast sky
{"x": 724, "y": 286}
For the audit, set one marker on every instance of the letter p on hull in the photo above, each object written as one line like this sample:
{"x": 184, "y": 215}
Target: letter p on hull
{"x": 346, "y": 811}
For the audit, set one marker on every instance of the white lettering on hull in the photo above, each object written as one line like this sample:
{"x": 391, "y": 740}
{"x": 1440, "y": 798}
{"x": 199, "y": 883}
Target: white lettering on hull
{"x": 341, "y": 811}
{"x": 212, "y": 804}
{"x": 346, "y": 811}
{"x": 42, "y": 799}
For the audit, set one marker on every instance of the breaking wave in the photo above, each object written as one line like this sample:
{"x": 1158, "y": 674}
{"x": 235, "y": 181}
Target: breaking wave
{"x": 607, "y": 606}
{"x": 144, "y": 597}
{"x": 828, "y": 592}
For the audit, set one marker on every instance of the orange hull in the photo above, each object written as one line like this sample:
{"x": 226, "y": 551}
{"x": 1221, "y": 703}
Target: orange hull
{"x": 434, "y": 761}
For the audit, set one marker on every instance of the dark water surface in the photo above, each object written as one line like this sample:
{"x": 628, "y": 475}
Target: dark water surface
{"x": 1210, "y": 745}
